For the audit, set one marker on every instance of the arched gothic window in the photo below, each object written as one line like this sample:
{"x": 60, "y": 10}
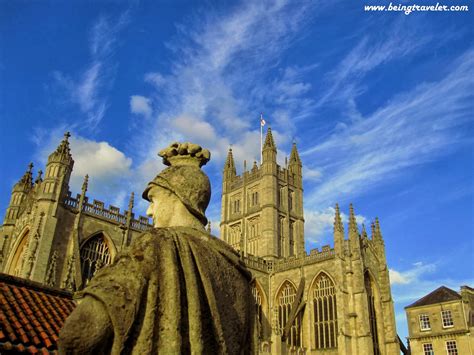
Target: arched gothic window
{"x": 95, "y": 254}
{"x": 372, "y": 315}
{"x": 325, "y": 313}
{"x": 285, "y": 299}
{"x": 18, "y": 259}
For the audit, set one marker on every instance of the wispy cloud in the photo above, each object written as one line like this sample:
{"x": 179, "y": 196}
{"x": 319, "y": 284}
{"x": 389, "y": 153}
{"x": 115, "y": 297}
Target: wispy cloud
{"x": 410, "y": 129}
{"x": 88, "y": 89}
{"x": 411, "y": 275}
{"x": 220, "y": 59}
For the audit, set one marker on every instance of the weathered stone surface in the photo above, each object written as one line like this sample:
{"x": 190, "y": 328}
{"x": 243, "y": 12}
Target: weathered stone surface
{"x": 176, "y": 289}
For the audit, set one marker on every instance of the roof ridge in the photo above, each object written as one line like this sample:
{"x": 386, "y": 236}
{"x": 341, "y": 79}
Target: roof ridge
{"x": 439, "y": 295}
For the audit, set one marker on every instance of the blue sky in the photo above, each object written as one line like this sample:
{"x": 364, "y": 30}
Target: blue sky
{"x": 380, "y": 105}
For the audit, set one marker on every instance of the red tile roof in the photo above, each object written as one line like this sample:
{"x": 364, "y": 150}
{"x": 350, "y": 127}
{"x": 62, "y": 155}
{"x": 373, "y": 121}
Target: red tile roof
{"x": 31, "y": 315}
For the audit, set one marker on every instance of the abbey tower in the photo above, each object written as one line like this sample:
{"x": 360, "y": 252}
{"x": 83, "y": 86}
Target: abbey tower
{"x": 262, "y": 209}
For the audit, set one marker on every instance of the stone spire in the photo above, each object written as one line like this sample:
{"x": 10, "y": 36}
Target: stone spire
{"x": 338, "y": 226}
{"x": 39, "y": 178}
{"x": 338, "y": 233}
{"x": 269, "y": 142}
{"x": 295, "y": 165}
{"x": 294, "y": 156}
{"x": 131, "y": 201}
{"x": 229, "y": 167}
{"x": 352, "y": 221}
{"x": 354, "y": 239}
{"x": 378, "y": 234}
{"x": 269, "y": 149}
{"x": 63, "y": 151}
{"x": 364, "y": 232}
{"x": 85, "y": 184}
{"x": 26, "y": 181}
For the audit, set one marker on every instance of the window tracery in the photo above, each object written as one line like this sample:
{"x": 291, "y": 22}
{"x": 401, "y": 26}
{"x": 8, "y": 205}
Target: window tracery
{"x": 95, "y": 253}
{"x": 324, "y": 313}
{"x": 372, "y": 314}
{"x": 285, "y": 300}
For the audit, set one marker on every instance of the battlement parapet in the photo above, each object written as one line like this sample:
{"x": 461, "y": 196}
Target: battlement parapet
{"x": 314, "y": 256}
{"x": 255, "y": 262}
{"x": 112, "y": 214}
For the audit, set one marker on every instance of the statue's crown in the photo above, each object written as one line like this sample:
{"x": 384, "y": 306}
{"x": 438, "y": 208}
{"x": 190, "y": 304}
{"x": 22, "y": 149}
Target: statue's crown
{"x": 180, "y": 154}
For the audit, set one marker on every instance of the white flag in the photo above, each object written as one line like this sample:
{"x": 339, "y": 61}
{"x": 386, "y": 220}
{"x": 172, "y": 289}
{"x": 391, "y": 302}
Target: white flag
{"x": 262, "y": 121}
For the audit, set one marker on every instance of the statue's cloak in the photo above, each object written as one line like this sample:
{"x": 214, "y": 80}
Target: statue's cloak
{"x": 177, "y": 291}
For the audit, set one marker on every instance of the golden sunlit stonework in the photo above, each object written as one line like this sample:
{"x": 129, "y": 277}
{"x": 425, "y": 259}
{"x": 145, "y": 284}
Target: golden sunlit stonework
{"x": 332, "y": 301}
{"x": 442, "y": 322}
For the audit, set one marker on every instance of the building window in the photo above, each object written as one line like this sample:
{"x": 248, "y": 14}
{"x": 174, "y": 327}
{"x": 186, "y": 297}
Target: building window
{"x": 369, "y": 287}
{"x": 325, "y": 313}
{"x": 424, "y": 322}
{"x": 285, "y": 299}
{"x": 451, "y": 347}
{"x": 428, "y": 349}
{"x": 236, "y": 206}
{"x": 281, "y": 196}
{"x": 235, "y": 234}
{"x": 447, "y": 318}
{"x": 254, "y": 198}
{"x": 19, "y": 257}
{"x": 292, "y": 239}
{"x": 95, "y": 254}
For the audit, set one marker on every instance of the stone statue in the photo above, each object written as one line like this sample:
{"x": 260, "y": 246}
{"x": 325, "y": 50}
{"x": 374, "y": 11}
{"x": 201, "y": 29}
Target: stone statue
{"x": 176, "y": 289}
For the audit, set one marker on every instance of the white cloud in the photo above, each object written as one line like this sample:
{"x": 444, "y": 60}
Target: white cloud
{"x": 140, "y": 105}
{"x": 220, "y": 61}
{"x": 87, "y": 88}
{"x": 411, "y": 275}
{"x": 319, "y": 225}
{"x": 107, "y": 167}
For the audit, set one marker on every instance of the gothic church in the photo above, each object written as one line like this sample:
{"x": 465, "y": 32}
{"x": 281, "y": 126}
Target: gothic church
{"x": 330, "y": 301}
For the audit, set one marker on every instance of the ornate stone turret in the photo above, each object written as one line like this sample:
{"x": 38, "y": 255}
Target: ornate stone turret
{"x": 269, "y": 148}
{"x": 295, "y": 161}
{"x": 338, "y": 233}
{"x": 19, "y": 193}
{"x": 229, "y": 167}
{"x": 58, "y": 171}
{"x": 354, "y": 239}
{"x": 377, "y": 239}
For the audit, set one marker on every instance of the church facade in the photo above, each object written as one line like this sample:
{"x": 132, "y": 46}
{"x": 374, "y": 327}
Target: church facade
{"x": 330, "y": 301}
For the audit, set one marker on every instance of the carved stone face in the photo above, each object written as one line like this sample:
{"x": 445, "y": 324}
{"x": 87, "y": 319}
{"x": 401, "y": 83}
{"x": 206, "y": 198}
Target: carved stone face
{"x": 162, "y": 207}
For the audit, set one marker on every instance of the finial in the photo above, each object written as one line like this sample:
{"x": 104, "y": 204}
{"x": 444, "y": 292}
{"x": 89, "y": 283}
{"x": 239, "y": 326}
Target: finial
{"x": 378, "y": 233}
{"x": 39, "y": 177}
{"x": 245, "y": 165}
{"x": 352, "y": 219}
{"x": 337, "y": 220}
{"x": 364, "y": 232}
{"x": 179, "y": 154}
{"x": 372, "y": 230}
{"x": 130, "y": 202}
{"x": 30, "y": 167}
{"x": 269, "y": 142}
{"x": 85, "y": 184}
